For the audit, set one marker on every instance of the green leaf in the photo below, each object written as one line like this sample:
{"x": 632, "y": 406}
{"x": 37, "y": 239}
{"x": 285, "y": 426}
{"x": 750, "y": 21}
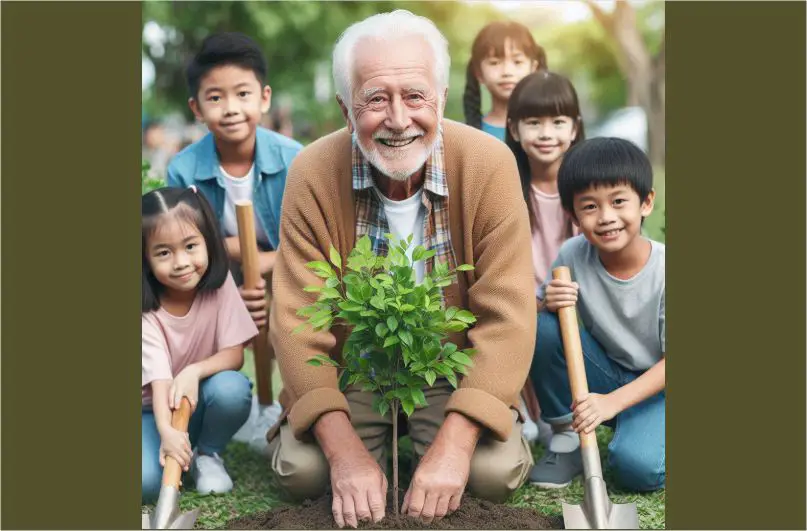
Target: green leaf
{"x": 381, "y": 330}
{"x": 350, "y": 306}
{"x": 455, "y": 326}
{"x": 405, "y": 337}
{"x": 315, "y": 362}
{"x": 392, "y": 323}
{"x": 465, "y": 267}
{"x": 391, "y": 340}
{"x": 313, "y": 289}
{"x": 465, "y": 316}
{"x": 383, "y": 407}
{"x": 451, "y": 312}
{"x": 430, "y": 377}
{"x": 336, "y": 259}
{"x": 408, "y": 406}
{"x": 460, "y": 357}
{"x": 418, "y": 397}
{"x": 428, "y": 254}
{"x": 326, "y": 360}
{"x": 299, "y": 328}
{"x": 332, "y": 282}
{"x": 410, "y": 320}
{"x": 378, "y": 302}
{"x": 417, "y": 254}
{"x": 407, "y": 308}
{"x": 364, "y": 245}
{"x": 331, "y": 293}
{"x": 452, "y": 379}
{"x": 344, "y": 380}
{"x": 359, "y": 327}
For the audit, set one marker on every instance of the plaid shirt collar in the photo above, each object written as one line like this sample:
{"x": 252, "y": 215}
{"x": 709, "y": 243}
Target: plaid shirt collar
{"x": 371, "y": 219}
{"x": 434, "y": 182}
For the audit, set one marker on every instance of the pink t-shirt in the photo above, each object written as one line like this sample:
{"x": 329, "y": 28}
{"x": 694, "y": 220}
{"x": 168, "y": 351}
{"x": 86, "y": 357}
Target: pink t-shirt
{"x": 546, "y": 242}
{"x": 217, "y": 320}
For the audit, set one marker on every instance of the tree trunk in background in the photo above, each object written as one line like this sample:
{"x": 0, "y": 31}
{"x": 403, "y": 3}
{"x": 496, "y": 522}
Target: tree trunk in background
{"x": 644, "y": 75}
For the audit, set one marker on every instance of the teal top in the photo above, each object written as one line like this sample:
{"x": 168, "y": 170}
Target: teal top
{"x": 496, "y": 131}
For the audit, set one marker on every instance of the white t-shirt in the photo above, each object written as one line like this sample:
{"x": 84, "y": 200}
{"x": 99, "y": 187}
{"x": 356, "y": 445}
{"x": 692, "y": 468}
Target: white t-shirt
{"x": 404, "y": 218}
{"x": 239, "y": 189}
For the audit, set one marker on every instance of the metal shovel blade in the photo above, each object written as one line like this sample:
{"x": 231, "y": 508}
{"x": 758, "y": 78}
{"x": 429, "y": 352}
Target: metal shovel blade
{"x": 166, "y": 514}
{"x": 597, "y": 511}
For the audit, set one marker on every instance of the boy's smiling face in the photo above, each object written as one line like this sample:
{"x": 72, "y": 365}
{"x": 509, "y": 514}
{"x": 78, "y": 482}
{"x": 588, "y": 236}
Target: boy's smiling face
{"x": 231, "y": 101}
{"x": 610, "y": 217}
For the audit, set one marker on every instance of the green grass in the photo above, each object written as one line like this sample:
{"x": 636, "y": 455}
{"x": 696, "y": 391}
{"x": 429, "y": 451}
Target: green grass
{"x": 255, "y": 489}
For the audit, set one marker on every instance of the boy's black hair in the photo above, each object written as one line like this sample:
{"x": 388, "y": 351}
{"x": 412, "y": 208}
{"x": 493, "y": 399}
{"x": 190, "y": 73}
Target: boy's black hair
{"x": 221, "y": 49}
{"x": 603, "y": 162}
{"x": 189, "y": 206}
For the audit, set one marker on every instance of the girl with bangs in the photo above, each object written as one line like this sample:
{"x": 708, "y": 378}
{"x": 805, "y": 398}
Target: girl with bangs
{"x": 543, "y": 118}
{"x": 543, "y": 123}
{"x": 502, "y": 54}
{"x": 194, "y": 326}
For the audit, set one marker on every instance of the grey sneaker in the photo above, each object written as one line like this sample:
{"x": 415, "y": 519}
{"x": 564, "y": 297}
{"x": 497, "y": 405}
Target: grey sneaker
{"x": 556, "y": 470}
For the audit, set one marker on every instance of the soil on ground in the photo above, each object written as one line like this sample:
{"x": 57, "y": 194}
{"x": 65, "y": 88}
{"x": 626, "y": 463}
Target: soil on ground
{"x": 472, "y": 514}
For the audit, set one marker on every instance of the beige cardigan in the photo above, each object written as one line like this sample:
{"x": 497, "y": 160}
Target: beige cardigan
{"x": 489, "y": 229}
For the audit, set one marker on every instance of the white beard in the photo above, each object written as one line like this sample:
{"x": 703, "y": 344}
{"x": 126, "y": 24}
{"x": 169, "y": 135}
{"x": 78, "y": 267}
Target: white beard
{"x": 377, "y": 161}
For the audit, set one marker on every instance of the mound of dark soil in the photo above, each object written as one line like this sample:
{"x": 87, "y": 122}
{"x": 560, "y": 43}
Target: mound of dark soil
{"x": 472, "y": 514}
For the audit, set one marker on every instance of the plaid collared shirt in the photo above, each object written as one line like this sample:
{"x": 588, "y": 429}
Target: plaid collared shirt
{"x": 371, "y": 219}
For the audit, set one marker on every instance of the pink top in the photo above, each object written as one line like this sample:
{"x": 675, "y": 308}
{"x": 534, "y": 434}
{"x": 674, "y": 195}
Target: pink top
{"x": 546, "y": 242}
{"x": 217, "y": 320}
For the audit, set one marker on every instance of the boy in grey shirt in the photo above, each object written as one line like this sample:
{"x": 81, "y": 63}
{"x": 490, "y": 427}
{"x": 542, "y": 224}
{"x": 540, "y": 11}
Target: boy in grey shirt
{"x": 606, "y": 185}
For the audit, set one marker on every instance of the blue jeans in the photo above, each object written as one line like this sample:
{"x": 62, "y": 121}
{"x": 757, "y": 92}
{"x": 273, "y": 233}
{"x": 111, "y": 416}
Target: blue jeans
{"x": 636, "y": 453}
{"x": 224, "y": 403}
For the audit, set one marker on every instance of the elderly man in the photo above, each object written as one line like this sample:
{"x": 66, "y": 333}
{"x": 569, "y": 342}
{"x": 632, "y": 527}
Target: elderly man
{"x": 400, "y": 167}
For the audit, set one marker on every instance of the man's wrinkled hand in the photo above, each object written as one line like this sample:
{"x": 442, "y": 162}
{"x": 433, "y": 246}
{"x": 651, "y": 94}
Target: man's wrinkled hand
{"x": 359, "y": 488}
{"x": 439, "y": 482}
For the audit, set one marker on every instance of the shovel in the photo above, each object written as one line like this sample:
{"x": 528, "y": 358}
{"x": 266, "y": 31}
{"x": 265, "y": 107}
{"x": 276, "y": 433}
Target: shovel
{"x": 264, "y": 412}
{"x": 596, "y": 511}
{"x": 166, "y": 513}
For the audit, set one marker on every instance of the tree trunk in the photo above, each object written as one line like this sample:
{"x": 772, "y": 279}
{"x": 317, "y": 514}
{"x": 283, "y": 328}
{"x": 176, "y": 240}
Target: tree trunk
{"x": 645, "y": 76}
{"x": 395, "y": 457}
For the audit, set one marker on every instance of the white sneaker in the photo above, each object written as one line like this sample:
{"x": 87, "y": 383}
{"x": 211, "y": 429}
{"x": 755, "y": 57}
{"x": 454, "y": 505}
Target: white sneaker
{"x": 210, "y": 475}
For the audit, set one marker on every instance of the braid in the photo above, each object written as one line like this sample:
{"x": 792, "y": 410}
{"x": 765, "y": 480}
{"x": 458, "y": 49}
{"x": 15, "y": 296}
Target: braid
{"x": 472, "y": 98}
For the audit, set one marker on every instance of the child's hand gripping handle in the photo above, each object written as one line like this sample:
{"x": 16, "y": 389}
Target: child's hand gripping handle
{"x": 250, "y": 266}
{"x": 179, "y": 421}
{"x": 573, "y": 350}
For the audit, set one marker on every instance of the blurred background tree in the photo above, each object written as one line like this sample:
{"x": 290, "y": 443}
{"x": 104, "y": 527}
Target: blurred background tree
{"x": 612, "y": 50}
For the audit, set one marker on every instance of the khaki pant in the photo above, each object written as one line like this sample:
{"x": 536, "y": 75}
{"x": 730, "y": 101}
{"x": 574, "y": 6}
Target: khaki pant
{"x": 497, "y": 468}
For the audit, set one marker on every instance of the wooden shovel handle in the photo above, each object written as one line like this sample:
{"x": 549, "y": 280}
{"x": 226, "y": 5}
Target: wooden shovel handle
{"x": 248, "y": 241}
{"x": 179, "y": 421}
{"x": 573, "y": 350}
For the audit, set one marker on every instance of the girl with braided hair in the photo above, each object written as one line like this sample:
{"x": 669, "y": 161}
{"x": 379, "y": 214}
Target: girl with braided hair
{"x": 503, "y": 53}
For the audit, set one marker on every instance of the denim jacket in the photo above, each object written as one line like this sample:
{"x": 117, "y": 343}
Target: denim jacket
{"x": 198, "y": 164}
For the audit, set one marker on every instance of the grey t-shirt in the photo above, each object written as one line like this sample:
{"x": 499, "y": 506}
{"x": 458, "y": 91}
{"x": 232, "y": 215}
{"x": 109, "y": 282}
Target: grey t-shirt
{"x": 625, "y": 316}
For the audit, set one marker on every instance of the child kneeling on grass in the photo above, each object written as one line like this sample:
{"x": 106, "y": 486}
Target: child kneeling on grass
{"x": 606, "y": 184}
{"x": 194, "y": 327}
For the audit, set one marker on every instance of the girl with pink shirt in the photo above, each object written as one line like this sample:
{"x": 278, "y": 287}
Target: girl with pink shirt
{"x": 543, "y": 122}
{"x": 543, "y": 118}
{"x": 194, "y": 327}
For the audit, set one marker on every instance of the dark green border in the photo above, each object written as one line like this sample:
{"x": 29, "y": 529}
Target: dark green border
{"x": 70, "y": 124}
{"x": 70, "y": 170}
{"x": 736, "y": 272}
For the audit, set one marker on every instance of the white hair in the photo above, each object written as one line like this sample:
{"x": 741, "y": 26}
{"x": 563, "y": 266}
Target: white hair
{"x": 397, "y": 24}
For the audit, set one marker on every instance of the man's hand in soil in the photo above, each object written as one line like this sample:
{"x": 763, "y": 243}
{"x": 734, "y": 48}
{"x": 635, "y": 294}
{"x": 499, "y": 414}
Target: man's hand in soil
{"x": 359, "y": 485}
{"x": 440, "y": 479}
{"x": 255, "y": 301}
